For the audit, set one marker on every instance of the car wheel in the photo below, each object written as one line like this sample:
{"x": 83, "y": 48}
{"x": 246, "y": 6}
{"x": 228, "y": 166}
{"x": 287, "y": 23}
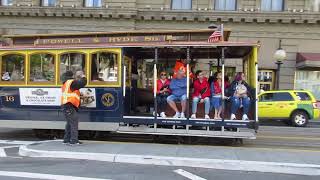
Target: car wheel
{"x": 299, "y": 119}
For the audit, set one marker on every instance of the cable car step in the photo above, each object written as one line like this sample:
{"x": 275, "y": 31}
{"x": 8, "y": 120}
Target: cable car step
{"x": 249, "y": 134}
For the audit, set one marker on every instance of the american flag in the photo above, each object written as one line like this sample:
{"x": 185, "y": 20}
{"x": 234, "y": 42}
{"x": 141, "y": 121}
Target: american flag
{"x": 216, "y": 35}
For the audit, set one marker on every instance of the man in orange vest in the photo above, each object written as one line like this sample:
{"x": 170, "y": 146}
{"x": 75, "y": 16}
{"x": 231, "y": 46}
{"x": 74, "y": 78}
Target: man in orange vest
{"x": 70, "y": 102}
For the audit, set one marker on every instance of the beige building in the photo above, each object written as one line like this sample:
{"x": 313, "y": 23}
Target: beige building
{"x": 295, "y": 22}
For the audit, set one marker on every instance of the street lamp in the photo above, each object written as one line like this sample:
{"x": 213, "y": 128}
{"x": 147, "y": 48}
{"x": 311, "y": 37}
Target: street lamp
{"x": 279, "y": 56}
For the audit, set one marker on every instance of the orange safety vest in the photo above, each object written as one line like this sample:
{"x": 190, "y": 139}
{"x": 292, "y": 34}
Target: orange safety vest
{"x": 69, "y": 96}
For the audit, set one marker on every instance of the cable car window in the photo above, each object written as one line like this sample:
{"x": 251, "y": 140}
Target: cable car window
{"x": 73, "y": 62}
{"x": 42, "y": 68}
{"x": 12, "y": 68}
{"x": 104, "y": 67}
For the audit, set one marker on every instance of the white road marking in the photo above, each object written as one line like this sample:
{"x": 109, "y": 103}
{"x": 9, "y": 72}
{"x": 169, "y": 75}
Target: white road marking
{"x": 17, "y": 142}
{"x": 188, "y": 175}
{"x": 7, "y": 147}
{"x": 2, "y": 153}
{"x": 43, "y": 176}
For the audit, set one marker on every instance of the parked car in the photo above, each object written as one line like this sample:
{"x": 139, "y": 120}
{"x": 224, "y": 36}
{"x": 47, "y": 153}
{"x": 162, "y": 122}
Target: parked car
{"x": 294, "y": 106}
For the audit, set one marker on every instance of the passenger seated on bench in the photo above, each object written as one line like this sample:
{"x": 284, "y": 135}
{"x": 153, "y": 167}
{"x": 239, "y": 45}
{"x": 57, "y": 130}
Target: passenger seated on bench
{"x": 201, "y": 94}
{"x": 240, "y": 91}
{"x": 216, "y": 94}
{"x": 178, "y": 88}
{"x": 163, "y": 92}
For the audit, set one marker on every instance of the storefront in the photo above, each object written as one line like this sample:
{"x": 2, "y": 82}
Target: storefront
{"x": 308, "y": 73}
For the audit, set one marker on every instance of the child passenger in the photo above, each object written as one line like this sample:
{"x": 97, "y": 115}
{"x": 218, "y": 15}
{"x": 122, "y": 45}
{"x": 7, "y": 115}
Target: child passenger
{"x": 201, "y": 94}
{"x": 216, "y": 95}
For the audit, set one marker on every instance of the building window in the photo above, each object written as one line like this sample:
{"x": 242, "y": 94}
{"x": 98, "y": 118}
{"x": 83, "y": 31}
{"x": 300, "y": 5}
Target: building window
{"x": 49, "y": 2}
{"x": 71, "y": 62}
{"x": 308, "y": 80}
{"x": 225, "y": 5}
{"x": 181, "y": 4}
{"x": 266, "y": 80}
{"x": 93, "y": 3}
{"x": 315, "y": 5}
{"x": 6, "y": 2}
{"x": 104, "y": 67}
{"x": 42, "y": 68}
{"x": 12, "y": 68}
{"x": 272, "y": 5}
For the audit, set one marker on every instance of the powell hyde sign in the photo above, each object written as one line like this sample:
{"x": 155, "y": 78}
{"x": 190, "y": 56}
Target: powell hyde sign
{"x": 97, "y": 40}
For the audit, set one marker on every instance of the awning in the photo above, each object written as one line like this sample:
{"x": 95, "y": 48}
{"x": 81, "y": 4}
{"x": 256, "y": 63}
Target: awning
{"x": 308, "y": 60}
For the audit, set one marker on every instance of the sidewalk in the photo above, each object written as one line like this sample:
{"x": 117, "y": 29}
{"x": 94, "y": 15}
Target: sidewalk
{"x": 215, "y": 157}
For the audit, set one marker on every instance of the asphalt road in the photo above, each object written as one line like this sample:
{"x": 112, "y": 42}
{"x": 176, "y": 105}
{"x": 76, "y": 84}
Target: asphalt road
{"x": 119, "y": 171}
{"x": 270, "y": 135}
{"x": 16, "y": 167}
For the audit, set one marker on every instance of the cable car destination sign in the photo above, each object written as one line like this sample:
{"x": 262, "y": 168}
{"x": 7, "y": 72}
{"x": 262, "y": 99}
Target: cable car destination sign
{"x": 97, "y": 40}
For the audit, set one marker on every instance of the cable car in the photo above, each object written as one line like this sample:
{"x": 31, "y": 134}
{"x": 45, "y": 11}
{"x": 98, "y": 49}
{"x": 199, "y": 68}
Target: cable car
{"x": 122, "y": 70}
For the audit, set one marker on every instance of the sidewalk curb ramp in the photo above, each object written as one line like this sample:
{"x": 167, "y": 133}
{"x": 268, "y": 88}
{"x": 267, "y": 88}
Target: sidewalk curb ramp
{"x": 222, "y": 164}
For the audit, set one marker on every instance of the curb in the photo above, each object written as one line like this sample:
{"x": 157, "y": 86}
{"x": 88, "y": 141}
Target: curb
{"x": 221, "y": 164}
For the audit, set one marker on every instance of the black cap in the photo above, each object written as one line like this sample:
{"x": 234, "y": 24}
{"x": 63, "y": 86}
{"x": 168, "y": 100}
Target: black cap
{"x": 68, "y": 74}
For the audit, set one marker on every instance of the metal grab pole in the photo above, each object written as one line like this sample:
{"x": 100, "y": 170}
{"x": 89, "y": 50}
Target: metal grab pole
{"x": 188, "y": 82}
{"x": 155, "y": 85}
{"x": 210, "y": 66}
{"x": 256, "y": 93}
{"x": 223, "y": 88}
{"x": 124, "y": 80}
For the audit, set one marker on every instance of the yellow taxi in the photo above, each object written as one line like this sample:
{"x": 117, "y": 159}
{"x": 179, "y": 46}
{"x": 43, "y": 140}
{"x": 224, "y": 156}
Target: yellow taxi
{"x": 295, "y": 106}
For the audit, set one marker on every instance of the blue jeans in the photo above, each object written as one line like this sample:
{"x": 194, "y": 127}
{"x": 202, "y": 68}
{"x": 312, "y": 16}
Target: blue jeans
{"x": 237, "y": 101}
{"x": 216, "y": 102}
{"x": 174, "y": 98}
{"x": 195, "y": 102}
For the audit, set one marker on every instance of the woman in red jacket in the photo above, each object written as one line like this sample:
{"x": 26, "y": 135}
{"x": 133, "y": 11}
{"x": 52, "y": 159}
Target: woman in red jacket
{"x": 201, "y": 94}
{"x": 163, "y": 92}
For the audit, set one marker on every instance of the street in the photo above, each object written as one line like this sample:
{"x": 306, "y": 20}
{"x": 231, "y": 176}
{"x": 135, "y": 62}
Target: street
{"x": 94, "y": 169}
{"x": 281, "y": 138}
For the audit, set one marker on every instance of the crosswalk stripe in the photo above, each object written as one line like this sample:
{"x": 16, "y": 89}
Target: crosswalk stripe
{"x": 188, "y": 174}
{"x": 7, "y": 147}
{"x": 43, "y": 176}
{"x": 2, "y": 153}
{"x": 17, "y": 142}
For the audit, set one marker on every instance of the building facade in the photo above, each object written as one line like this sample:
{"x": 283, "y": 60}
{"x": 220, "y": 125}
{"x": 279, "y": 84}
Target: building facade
{"x": 295, "y": 22}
